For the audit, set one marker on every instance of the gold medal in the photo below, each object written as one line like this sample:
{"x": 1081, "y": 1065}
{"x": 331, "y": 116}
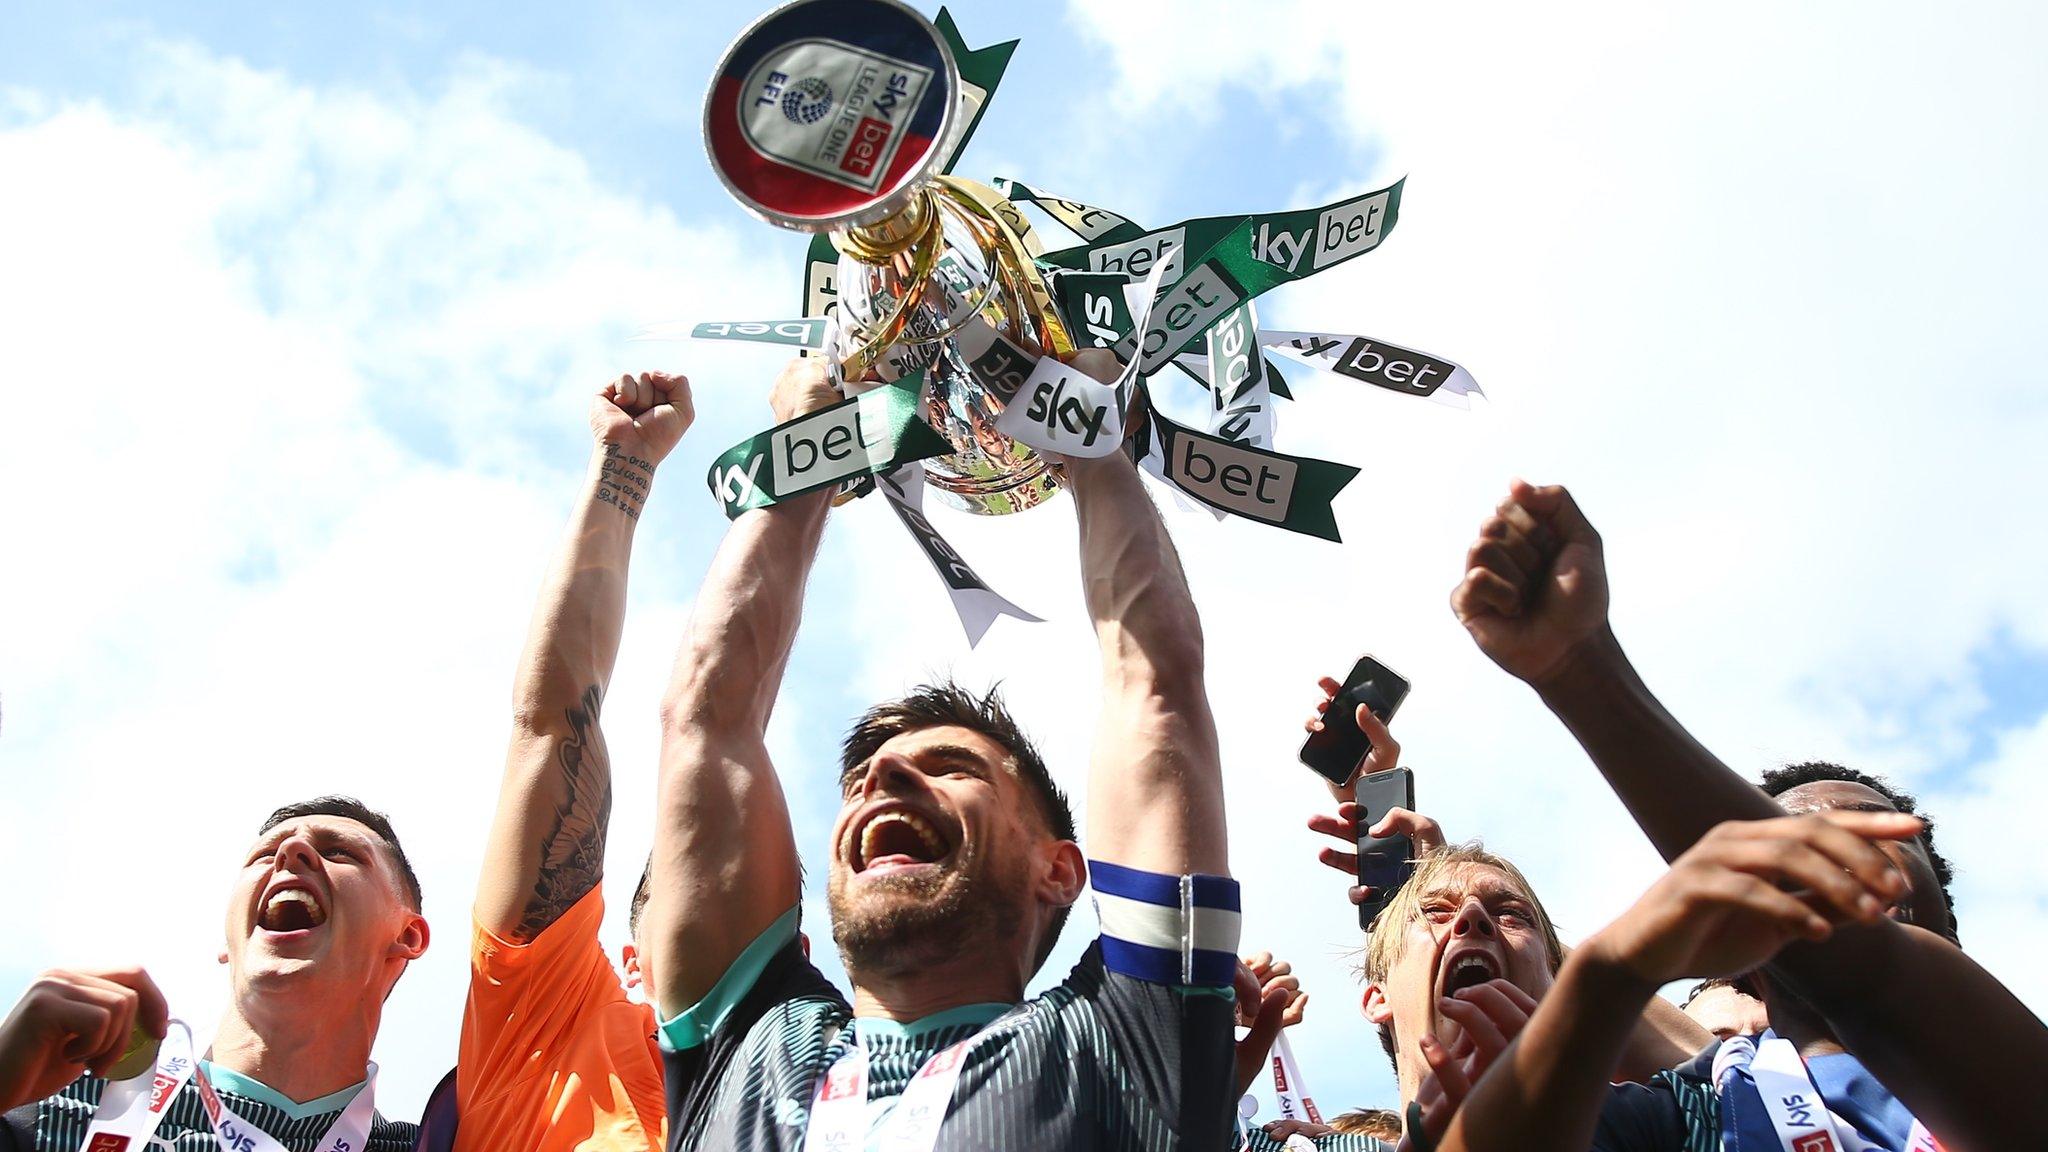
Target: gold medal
{"x": 137, "y": 1058}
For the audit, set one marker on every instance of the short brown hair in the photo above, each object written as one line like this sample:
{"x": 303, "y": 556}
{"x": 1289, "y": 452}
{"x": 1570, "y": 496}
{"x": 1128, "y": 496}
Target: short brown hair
{"x": 947, "y": 704}
{"x": 350, "y": 808}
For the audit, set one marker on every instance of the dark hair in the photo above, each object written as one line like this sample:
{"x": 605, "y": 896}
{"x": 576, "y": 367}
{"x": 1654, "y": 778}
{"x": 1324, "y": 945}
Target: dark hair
{"x": 1740, "y": 984}
{"x": 946, "y": 703}
{"x": 641, "y": 892}
{"x": 1778, "y": 781}
{"x": 350, "y": 808}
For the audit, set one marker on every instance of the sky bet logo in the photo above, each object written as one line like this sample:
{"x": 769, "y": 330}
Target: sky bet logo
{"x": 1061, "y": 413}
{"x": 1343, "y": 231}
{"x": 1397, "y": 369}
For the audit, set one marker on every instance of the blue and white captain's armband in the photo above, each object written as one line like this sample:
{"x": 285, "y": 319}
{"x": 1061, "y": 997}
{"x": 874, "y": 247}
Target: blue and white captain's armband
{"x": 1179, "y": 930}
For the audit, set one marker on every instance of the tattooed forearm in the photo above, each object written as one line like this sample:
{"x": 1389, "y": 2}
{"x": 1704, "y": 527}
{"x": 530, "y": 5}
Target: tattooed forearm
{"x": 572, "y": 850}
{"x": 623, "y": 481}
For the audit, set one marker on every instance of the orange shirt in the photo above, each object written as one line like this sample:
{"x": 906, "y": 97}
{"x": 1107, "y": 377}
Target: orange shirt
{"x": 554, "y": 1057}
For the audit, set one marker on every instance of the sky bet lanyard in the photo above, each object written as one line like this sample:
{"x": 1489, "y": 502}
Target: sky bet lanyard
{"x": 1802, "y": 1118}
{"x": 839, "y": 1111}
{"x": 132, "y": 1110}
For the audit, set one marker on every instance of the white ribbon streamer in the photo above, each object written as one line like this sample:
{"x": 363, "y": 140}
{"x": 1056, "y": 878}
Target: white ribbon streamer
{"x": 974, "y": 601}
{"x": 1066, "y": 411}
{"x": 1377, "y": 362}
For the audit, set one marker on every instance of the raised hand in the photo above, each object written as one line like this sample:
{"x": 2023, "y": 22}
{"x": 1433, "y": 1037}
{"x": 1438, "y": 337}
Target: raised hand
{"x": 644, "y": 416}
{"x": 803, "y": 387}
{"x": 1385, "y": 753}
{"x": 1422, "y": 831}
{"x": 1749, "y": 888}
{"x": 1269, "y": 998}
{"x": 1483, "y": 1019}
{"x": 1535, "y": 585}
{"x": 74, "y": 1021}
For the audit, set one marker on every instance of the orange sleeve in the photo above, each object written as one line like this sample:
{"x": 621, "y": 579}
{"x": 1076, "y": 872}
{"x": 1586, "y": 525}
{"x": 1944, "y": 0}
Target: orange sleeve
{"x": 532, "y": 1008}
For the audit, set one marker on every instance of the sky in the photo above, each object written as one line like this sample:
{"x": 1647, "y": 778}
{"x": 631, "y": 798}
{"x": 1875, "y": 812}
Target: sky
{"x": 300, "y": 310}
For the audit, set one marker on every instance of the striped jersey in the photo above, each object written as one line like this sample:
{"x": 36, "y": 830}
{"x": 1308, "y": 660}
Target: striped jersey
{"x": 58, "y": 1123}
{"x": 1133, "y": 1052}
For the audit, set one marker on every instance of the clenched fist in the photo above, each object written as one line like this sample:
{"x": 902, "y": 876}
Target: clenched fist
{"x": 74, "y": 1021}
{"x": 644, "y": 416}
{"x": 1535, "y": 586}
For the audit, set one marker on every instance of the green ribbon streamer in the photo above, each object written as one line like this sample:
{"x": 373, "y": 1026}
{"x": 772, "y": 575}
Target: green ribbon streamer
{"x": 1280, "y": 246}
{"x": 1098, "y": 226}
{"x": 982, "y": 68}
{"x": 800, "y": 333}
{"x": 1092, "y": 303}
{"x": 852, "y": 440}
{"x": 1291, "y": 492}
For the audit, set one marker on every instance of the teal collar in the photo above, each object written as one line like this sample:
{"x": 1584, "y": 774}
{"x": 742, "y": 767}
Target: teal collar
{"x": 249, "y": 1088}
{"x": 975, "y": 1014}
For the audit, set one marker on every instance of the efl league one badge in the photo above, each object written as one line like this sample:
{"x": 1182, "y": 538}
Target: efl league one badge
{"x": 947, "y": 320}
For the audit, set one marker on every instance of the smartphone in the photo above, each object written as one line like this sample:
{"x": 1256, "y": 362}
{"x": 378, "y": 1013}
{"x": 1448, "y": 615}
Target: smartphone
{"x": 1337, "y": 750}
{"x": 1384, "y": 862}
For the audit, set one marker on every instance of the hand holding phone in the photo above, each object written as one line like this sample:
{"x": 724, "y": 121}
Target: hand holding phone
{"x": 1384, "y": 862}
{"x": 1337, "y": 746}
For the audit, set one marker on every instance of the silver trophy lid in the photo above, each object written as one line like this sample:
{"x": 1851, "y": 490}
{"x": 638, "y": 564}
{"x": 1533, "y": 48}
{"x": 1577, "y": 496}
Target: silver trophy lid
{"x": 826, "y": 114}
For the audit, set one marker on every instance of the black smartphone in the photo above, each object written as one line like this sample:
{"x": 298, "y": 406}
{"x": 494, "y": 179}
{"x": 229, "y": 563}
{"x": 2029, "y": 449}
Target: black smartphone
{"x": 1384, "y": 862}
{"x": 1337, "y": 750}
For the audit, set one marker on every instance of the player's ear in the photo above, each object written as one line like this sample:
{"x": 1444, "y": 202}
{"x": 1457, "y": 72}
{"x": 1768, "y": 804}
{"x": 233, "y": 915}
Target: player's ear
{"x": 1374, "y": 1005}
{"x": 1063, "y": 873}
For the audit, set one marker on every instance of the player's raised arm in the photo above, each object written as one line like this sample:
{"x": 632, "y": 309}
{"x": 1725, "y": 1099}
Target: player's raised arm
{"x": 725, "y": 863}
{"x": 1934, "y": 1027}
{"x": 1155, "y": 785}
{"x": 546, "y": 846}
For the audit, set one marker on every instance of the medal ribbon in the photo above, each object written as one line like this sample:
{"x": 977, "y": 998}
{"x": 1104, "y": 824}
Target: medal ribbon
{"x": 130, "y": 1111}
{"x": 1798, "y": 1113}
{"x": 1289, "y": 1090}
{"x": 839, "y": 1109}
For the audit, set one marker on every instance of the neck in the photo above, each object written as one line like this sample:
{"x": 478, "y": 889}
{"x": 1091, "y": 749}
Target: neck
{"x": 1795, "y": 1021}
{"x": 300, "y": 1058}
{"x": 917, "y": 993}
{"x": 1408, "y": 1076}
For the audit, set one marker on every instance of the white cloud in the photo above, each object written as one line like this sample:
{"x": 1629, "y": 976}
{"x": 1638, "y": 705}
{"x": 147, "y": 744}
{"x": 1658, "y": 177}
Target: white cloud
{"x": 1757, "y": 283}
{"x": 290, "y": 412}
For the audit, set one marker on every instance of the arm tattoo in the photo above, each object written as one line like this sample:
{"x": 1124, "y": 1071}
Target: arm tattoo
{"x": 572, "y": 851}
{"x": 623, "y": 481}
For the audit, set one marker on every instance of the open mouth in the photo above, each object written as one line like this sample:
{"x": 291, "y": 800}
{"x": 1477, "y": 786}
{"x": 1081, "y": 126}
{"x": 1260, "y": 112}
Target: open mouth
{"x": 893, "y": 838}
{"x": 1467, "y": 969}
{"x": 290, "y": 910}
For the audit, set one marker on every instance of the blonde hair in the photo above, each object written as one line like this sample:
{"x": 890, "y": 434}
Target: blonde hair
{"x": 1379, "y": 1123}
{"x": 1389, "y": 934}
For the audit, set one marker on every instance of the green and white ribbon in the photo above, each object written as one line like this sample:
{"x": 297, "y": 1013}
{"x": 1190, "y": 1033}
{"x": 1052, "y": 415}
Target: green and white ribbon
{"x": 980, "y": 71}
{"x": 1240, "y": 397}
{"x": 1063, "y": 410}
{"x": 869, "y": 434}
{"x": 1095, "y": 226}
{"x": 974, "y": 601}
{"x": 805, "y": 333}
{"x": 1389, "y": 366}
{"x": 1278, "y": 246}
{"x": 1291, "y": 492}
